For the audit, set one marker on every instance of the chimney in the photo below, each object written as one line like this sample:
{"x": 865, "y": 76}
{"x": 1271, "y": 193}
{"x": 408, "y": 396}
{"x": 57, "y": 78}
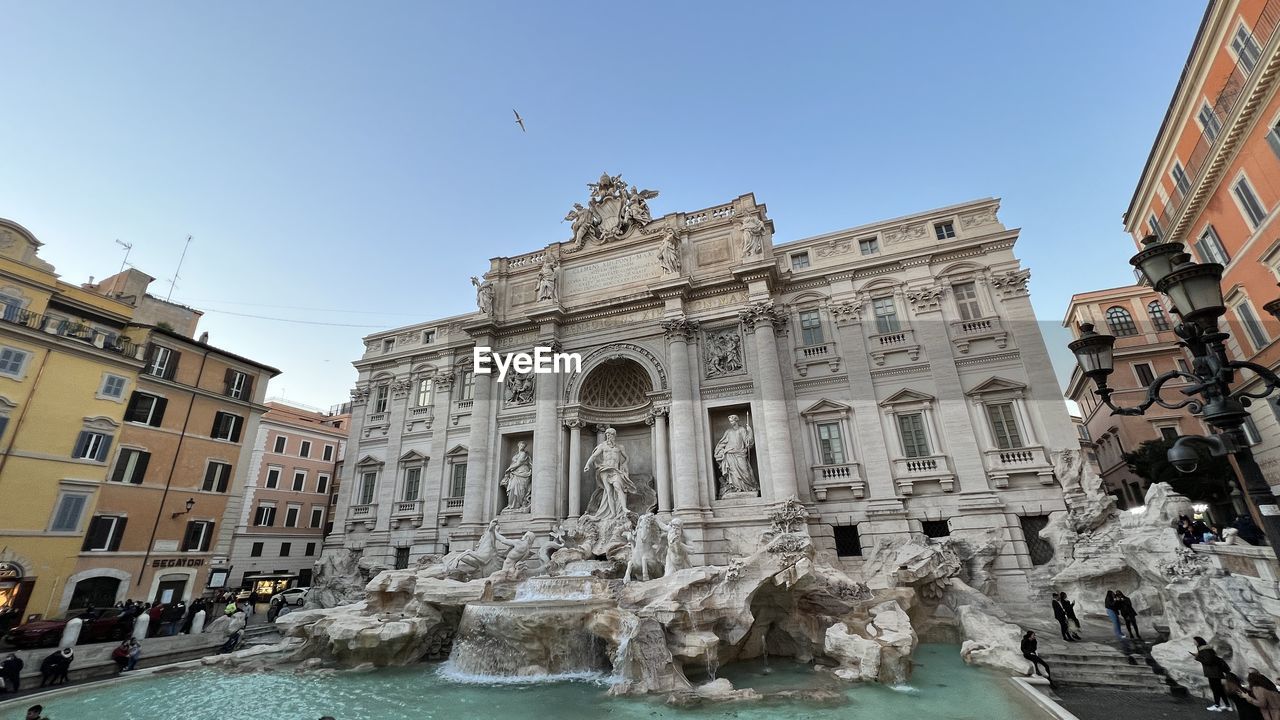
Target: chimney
{"x": 204, "y": 337}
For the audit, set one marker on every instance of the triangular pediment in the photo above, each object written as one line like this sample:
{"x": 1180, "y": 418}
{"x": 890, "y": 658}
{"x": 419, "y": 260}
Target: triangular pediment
{"x": 996, "y": 384}
{"x": 825, "y": 406}
{"x": 413, "y": 456}
{"x": 368, "y": 461}
{"x": 906, "y": 395}
{"x": 457, "y": 450}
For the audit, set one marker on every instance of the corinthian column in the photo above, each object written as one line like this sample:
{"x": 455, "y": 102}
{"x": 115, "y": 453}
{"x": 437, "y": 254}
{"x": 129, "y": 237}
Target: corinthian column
{"x": 482, "y": 414}
{"x": 762, "y": 319}
{"x": 546, "y": 451}
{"x": 683, "y": 446}
{"x": 575, "y": 467}
{"x": 661, "y": 458}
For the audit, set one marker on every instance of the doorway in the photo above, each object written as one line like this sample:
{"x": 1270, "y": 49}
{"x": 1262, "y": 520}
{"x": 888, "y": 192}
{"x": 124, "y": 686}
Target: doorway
{"x": 98, "y": 591}
{"x": 170, "y": 589}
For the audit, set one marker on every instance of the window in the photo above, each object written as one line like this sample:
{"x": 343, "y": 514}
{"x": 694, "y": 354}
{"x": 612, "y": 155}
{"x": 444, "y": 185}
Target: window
{"x": 291, "y": 514}
{"x": 1209, "y": 247}
{"x": 1004, "y": 428}
{"x": 1209, "y": 122}
{"x": 322, "y": 483}
{"x": 66, "y": 514}
{"x": 911, "y": 430}
{"x": 1039, "y": 548}
{"x": 1180, "y": 179}
{"x": 198, "y": 536}
{"x": 131, "y": 466}
{"x": 145, "y": 409}
{"x": 227, "y": 427}
{"x": 285, "y": 548}
{"x": 944, "y": 230}
{"x": 162, "y": 362}
{"x": 1251, "y": 434}
{"x": 1120, "y": 322}
{"x": 216, "y": 477}
{"x": 1251, "y": 326}
{"x": 422, "y": 398}
{"x": 273, "y": 477}
{"x": 1246, "y": 49}
{"x": 281, "y": 441}
{"x": 104, "y": 533}
{"x": 468, "y": 385}
{"x": 966, "y": 295}
{"x": 311, "y": 549}
{"x": 458, "y": 484}
{"x": 368, "y": 482}
{"x": 830, "y": 444}
{"x": 1182, "y": 365}
{"x": 265, "y": 515}
{"x": 1250, "y": 205}
{"x": 238, "y": 385}
{"x": 12, "y": 307}
{"x": 1168, "y": 432}
{"x": 328, "y": 453}
{"x": 1153, "y": 226}
{"x": 799, "y": 261}
{"x": 1273, "y": 137}
{"x": 112, "y": 386}
{"x": 255, "y": 550}
{"x": 402, "y": 558}
{"x": 91, "y": 445}
{"x": 305, "y": 450}
{"x": 388, "y": 345}
{"x": 1083, "y": 432}
{"x": 848, "y": 544}
{"x": 935, "y": 528}
{"x": 380, "y": 398}
{"x": 299, "y": 480}
{"x": 886, "y": 315}
{"x": 1145, "y": 375}
{"x": 412, "y": 484}
{"x": 1159, "y": 320}
{"x": 869, "y": 246}
{"x": 317, "y": 517}
{"x": 810, "y": 328}
{"x": 13, "y": 361}
{"x": 428, "y": 337}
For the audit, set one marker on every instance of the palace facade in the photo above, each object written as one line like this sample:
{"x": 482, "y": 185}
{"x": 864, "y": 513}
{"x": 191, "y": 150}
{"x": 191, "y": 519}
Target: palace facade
{"x": 890, "y": 376}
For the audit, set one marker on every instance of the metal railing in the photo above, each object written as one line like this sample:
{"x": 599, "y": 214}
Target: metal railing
{"x": 63, "y": 327}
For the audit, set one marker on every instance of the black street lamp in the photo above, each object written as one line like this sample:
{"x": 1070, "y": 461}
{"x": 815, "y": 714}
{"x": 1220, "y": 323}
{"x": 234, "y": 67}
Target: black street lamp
{"x": 1196, "y": 292}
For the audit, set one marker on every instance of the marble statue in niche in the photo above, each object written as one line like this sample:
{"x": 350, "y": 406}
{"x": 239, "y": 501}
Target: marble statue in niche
{"x": 612, "y": 477}
{"x": 518, "y": 479}
{"x": 733, "y": 456}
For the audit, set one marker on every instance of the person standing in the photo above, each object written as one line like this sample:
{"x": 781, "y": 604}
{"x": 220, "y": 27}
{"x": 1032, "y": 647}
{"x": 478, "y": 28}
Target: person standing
{"x": 1110, "y": 604}
{"x": 1246, "y": 707}
{"x": 1029, "y": 651}
{"x": 1213, "y": 667}
{"x": 1070, "y": 609}
{"x": 1125, "y": 607}
{"x": 1262, "y": 694}
{"x": 10, "y": 673}
{"x": 1060, "y": 614}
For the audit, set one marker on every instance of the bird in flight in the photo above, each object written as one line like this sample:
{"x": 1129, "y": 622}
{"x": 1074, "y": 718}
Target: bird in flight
{"x": 519, "y": 120}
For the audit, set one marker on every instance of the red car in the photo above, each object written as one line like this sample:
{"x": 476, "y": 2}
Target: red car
{"x": 107, "y": 624}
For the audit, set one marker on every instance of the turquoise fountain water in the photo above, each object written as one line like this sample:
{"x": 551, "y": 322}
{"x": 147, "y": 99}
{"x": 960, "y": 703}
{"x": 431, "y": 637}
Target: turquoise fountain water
{"x": 942, "y": 688}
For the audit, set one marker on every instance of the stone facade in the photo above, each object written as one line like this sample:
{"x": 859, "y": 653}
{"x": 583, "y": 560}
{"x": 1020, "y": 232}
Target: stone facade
{"x": 890, "y": 376}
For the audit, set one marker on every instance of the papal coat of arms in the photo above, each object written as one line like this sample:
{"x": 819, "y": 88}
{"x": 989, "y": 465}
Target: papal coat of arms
{"x": 613, "y": 210}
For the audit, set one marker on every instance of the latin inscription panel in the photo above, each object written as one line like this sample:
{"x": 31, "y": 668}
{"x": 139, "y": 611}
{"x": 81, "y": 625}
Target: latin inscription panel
{"x": 613, "y": 272}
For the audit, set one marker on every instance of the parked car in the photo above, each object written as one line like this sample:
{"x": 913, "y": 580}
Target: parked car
{"x": 106, "y": 624}
{"x": 293, "y": 596}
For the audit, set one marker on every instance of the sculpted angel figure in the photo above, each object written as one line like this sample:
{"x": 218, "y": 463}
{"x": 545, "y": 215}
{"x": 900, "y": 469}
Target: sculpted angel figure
{"x": 678, "y": 548}
{"x": 731, "y": 454}
{"x": 752, "y": 236}
{"x": 547, "y": 281}
{"x": 518, "y": 478}
{"x": 669, "y": 253}
{"x": 644, "y": 549}
{"x": 638, "y": 205}
{"x": 612, "y": 475}
{"x": 484, "y": 294}
{"x": 584, "y": 225}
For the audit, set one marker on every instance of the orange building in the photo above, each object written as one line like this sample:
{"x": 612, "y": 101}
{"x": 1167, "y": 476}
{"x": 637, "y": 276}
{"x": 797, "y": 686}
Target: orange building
{"x": 158, "y": 532}
{"x": 1212, "y": 182}
{"x": 292, "y": 472}
{"x": 1145, "y": 349}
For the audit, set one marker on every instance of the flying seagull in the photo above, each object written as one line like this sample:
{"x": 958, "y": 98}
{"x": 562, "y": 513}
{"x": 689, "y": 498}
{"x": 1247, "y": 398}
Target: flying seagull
{"x": 519, "y": 120}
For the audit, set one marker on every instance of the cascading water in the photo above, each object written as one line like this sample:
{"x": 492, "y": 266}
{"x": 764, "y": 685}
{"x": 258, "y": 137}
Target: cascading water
{"x": 560, "y": 588}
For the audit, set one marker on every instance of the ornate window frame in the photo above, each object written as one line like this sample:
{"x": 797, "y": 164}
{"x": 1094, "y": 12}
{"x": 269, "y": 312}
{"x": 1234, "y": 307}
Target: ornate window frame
{"x": 846, "y": 475}
{"x": 934, "y": 467}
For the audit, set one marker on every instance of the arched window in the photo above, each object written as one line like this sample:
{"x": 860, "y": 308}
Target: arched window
{"x": 1159, "y": 320}
{"x": 1121, "y": 322}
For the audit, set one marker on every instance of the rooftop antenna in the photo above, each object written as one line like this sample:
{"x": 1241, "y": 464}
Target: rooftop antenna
{"x": 115, "y": 287}
{"x": 174, "y": 280}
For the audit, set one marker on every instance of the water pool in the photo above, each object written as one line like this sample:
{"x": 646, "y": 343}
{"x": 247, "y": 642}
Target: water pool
{"x": 942, "y": 688}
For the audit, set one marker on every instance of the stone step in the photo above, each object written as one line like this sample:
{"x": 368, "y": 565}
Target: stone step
{"x": 1112, "y": 682}
{"x": 1127, "y": 673}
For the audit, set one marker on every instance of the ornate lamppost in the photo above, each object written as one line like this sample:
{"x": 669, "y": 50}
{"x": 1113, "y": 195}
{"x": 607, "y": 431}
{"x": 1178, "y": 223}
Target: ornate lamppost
{"x": 1196, "y": 293}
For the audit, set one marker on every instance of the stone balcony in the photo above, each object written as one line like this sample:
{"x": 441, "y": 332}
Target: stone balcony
{"x": 909, "y": 472}
{"x": 406, "y": 511}
{"x": 367, "y": 514}
{"x": 817, "y": 355}
{"x": 451, "y": 506}
{"x": 882, "y": 345}
{"x": 1031, "y": 459}
{"x": 965, "y": 332}
{"x": 838, "y": 477}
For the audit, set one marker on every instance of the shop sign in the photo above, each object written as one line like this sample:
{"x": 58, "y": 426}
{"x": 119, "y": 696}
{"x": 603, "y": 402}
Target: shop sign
{"x": 177, "y": 562}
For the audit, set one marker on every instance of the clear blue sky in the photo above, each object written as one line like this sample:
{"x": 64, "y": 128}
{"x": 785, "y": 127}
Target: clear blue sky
{"x": 360, "y": 160}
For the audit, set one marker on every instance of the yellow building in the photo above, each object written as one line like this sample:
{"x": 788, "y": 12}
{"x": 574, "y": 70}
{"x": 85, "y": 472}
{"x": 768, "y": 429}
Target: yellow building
{"x": 69, "y": 360}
